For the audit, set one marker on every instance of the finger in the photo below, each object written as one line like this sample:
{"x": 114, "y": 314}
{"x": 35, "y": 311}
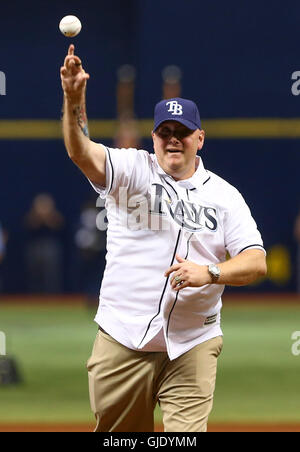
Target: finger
{"x": 63, "y": 71}
{"x": 74, "y": 58}
{"x": 71, "y": 60}
{"x": 181, "y": 286}
{"x": 176, "y": 279}
{"x": 85, "y": 75}
{"x": 180, "y": 259}
{"x": 176, "y": 284}
{"x": 173, "y": 268}
{"x": 81, "y": 80}
{"x": 70, "y": 53}
{"x": 68, "y": 60}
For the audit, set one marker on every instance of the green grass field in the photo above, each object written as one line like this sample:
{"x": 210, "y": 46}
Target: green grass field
{"x": 258, "y": 376}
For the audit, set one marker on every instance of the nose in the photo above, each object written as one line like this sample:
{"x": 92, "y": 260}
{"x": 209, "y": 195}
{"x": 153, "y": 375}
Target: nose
{"x": 173, "y": 138}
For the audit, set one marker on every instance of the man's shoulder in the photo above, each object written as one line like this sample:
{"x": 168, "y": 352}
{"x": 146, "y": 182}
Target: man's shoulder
{"x": 128, "y": 151}
{"x": 218, "y": 181}
{"x": 128, "y": 156}
{"x": 222, "y": 188}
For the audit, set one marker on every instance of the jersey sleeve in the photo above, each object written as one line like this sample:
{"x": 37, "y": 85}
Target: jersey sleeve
{"x": 240, "y": 229}
{"x": 125, "y": 169}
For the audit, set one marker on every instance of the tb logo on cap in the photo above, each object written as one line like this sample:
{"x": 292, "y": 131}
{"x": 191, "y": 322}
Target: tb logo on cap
{"x": 175, "y": 107}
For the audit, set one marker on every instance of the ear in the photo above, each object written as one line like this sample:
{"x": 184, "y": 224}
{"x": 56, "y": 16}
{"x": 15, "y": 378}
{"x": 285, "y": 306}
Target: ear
{"x": 201, "y": 140}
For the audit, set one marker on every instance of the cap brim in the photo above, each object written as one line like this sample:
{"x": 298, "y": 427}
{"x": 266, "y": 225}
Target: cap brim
{"x": 190, "y": 125}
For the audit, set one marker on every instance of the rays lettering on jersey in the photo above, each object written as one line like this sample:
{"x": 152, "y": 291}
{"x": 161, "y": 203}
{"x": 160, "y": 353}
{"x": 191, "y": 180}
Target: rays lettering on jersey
{"x": 190, "y": 216}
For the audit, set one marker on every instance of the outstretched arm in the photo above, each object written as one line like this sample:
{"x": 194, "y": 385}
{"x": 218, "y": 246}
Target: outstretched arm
{"x": 88, "y": 156}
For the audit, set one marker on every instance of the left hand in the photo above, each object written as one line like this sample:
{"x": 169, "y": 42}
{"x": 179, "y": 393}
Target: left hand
{"x": 191, "y": 274}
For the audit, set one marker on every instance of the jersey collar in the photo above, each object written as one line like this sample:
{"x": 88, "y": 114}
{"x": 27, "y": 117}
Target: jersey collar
{"x": 198, "y": 179}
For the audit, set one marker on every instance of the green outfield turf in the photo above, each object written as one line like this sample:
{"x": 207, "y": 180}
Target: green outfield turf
{"x": 258, "y": 376}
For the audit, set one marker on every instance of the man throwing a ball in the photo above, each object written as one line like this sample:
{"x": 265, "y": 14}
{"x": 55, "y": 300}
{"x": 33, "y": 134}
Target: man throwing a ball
{"x": 171, "y": 224}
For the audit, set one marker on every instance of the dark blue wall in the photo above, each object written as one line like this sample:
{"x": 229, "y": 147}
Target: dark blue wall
{"x": 237, "y": 56}
{"x": 237, "y": 59}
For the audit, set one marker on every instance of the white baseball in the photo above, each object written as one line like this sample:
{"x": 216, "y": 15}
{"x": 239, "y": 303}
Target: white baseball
{"x": 70, "y": 26}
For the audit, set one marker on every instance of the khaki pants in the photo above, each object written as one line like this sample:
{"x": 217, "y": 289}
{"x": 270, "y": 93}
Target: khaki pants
{"x": 125, "y": 386}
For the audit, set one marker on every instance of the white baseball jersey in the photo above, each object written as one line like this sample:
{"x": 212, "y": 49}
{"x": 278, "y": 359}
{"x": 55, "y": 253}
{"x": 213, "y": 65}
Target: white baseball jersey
{"x": 151, "y": 218}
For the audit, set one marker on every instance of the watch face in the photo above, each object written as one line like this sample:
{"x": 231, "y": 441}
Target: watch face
{"x": 214, "y": 270}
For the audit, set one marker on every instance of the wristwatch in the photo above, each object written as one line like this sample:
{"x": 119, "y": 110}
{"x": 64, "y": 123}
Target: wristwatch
{"x": 214, "y": 272}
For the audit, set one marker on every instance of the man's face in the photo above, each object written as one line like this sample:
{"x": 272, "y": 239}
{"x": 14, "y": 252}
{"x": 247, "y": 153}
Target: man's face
{"x": 176, "y": 147}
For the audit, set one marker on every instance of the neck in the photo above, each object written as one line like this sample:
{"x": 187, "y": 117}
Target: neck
{"x": 182, "y": 174}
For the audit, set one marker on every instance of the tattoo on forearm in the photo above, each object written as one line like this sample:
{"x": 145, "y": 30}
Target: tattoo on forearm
{"x": 81, "y": 118}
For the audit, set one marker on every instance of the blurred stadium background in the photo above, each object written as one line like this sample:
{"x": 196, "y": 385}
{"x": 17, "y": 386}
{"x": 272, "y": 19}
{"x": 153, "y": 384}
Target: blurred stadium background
{"x": 238, "y": 61}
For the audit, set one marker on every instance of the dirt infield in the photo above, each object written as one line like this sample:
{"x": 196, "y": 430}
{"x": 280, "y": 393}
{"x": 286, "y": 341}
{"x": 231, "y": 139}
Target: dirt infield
{"x": 234, "y": 427}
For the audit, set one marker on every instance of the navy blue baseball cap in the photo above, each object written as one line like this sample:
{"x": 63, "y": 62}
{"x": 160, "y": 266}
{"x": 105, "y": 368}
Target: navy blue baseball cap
{"x": 182, "y": 110}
